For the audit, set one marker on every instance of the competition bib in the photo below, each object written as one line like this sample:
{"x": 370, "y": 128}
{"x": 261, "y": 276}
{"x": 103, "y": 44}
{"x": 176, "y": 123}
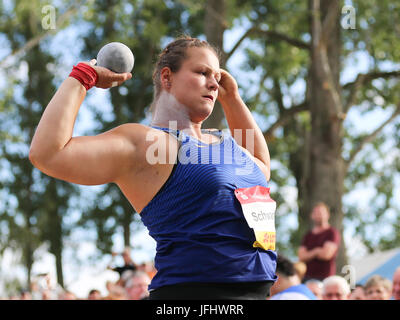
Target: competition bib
{"x": 259, "y": 211}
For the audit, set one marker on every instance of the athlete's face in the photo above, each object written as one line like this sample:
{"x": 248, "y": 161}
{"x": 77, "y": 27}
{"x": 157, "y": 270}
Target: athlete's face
{"x": 195, "y": 85}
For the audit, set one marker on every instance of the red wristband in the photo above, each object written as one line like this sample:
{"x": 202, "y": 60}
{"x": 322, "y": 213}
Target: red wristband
{"x": 85, "y": 74}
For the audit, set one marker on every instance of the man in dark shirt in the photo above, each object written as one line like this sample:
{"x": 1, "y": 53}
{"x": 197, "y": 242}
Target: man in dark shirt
{"x": 128, "y": 263}
{"x": 319, "y": 246}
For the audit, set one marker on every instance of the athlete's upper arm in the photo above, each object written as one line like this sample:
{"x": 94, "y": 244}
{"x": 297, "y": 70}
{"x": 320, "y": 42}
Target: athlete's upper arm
{"x": 263, "y": 167}
{"x": 94, "y": 160}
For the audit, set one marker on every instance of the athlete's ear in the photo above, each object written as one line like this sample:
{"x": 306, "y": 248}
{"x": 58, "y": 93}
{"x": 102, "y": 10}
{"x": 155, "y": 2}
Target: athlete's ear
{"x": 165, "y": 78}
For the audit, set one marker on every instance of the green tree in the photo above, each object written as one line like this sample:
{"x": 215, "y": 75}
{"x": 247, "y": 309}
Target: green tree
{"x": 36, "y": 205}
{"x": 305, "y": 104}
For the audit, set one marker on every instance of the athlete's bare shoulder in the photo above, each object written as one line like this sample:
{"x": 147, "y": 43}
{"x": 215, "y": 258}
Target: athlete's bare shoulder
{"x": 154, "y": 156}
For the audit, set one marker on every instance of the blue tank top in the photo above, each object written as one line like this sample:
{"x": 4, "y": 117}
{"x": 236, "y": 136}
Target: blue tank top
{"x": 197, "y": 222}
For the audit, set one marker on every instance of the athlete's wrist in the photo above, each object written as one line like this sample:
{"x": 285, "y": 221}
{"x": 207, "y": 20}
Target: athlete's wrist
{"x": 230, "y": 99}
{"x": 85, "y": 74}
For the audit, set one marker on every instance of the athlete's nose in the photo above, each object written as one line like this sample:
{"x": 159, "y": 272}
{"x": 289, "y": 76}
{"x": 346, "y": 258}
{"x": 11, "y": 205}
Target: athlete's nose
{"x": 213, "y": 84}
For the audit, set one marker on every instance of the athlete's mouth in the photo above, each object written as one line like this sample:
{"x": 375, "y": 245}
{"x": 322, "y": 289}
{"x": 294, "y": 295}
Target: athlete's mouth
{"x": 209, "y": 97}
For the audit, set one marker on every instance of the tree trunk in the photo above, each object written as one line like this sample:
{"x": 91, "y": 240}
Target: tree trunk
{"x": 55, "y": 233}
{"x": 325, "y": 178}
{"x": 214, "y": 27}
{"x": 28, "y": 254}
{"x": 29, "y": 246}
{"x": 59, "y": 266}
{"x": 58, "y": 249}
{"x": 127, "y": 221}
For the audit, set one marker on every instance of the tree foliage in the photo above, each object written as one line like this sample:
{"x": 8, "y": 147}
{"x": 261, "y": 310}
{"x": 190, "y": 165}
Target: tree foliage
{"x": 34, "y": 209}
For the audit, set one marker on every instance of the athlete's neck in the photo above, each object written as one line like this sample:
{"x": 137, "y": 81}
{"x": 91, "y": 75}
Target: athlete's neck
{"x": 170, "y": 113}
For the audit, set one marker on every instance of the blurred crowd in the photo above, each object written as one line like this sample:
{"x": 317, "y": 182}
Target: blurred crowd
{"x": 132, "y": 284}
{"x": 312, "y": 277}
{"x": 291, "y": 285}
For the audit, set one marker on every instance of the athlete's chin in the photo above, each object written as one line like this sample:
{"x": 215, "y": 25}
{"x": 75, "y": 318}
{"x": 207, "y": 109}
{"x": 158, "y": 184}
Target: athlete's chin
{"x": 202, "y": 113}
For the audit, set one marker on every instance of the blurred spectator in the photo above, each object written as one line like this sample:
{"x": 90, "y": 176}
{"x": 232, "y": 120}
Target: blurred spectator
{"x": 301, "y": 269}
{"x": 47, "y": 295}
{"x": 396, "y": 284}
{"x": 378, "y": 288}
{"x": 357, "y": 293}
{"x": 315, "y": 286}
{"x": 335, "y": 288}
{"x": 149, "y": 268}
{"x": 35, "y": 290}
{"x": 94, "y": 294}
{"x": 126, "y": 275}
{"x": 115, "y": 292}
{"x": 320, "y": 245}
{"x": 288, "y": 285}
{"x": 137, "y": 286}
{"x": 128, "y": 262}
{"x": 25, "y": 295}
{"x": 67, "y": 295}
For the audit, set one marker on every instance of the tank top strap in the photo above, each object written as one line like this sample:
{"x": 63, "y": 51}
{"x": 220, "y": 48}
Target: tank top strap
{"x": 181, "y": 136}
{"x": 215, "y": 132}
{"x": 177, "y": 134}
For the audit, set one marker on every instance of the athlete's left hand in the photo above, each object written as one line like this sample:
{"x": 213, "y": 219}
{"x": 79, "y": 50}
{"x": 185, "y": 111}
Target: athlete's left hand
{"x": 228, "y": 87}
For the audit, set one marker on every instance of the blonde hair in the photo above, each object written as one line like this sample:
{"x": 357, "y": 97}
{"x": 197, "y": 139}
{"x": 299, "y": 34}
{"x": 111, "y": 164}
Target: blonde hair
{"x": 377, "y": 280}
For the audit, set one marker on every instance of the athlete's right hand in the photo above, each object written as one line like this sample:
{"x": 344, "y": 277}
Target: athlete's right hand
{"x": 106, "y": 77}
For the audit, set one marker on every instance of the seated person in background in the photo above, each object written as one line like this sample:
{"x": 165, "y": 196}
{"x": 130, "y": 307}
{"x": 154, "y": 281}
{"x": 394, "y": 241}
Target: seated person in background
{"x": 115, "y": 292}
{"x": 335, "y": 288}
{"x": 301, "y": 269}
{"x": 378, "y": 288}
{"x": 94, "y": 294}
{"x": 288, "y": 286}
{"x": 25, "y": 295}
{"x": 67, "y": 295}
{"x": 357, "y": 293}
{"x": 137, "y": 286}
{"x": 316, "y": 287}
{"x": 396, "y": 284}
